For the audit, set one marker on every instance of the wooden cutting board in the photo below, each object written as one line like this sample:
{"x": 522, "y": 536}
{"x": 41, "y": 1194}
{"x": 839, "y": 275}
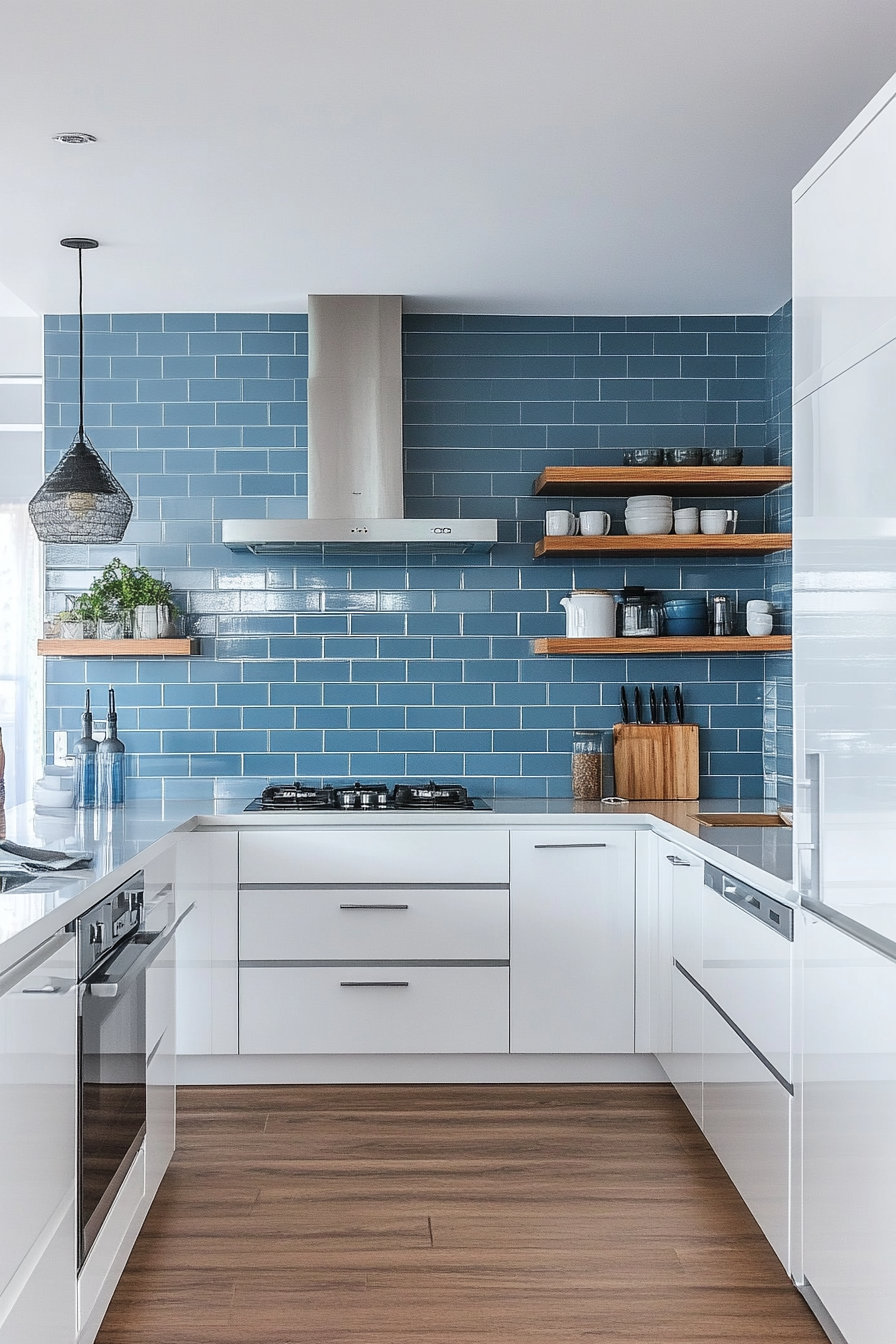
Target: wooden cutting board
{"x": 657, "y": 760}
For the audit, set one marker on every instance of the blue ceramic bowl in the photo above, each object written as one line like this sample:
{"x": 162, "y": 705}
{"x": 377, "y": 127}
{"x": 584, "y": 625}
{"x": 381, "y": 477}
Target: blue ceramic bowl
{"x": 685, "y": 606}
{"x": 686, "y": 625}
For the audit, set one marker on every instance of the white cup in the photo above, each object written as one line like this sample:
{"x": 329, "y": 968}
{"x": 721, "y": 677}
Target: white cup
{"x": 716, "y": 521}
{"x": 687, "y": 521}
{"x": 594, "y": 523}
{"x": 560, "y": 523}
{"x": 760, "y": 623}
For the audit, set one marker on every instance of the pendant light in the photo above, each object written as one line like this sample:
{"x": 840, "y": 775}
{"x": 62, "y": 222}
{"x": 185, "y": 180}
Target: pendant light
{"x": 80, "y": 501}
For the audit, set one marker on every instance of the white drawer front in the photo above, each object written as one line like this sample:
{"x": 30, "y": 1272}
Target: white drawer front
{"x": 377, "y": 924}
{"x": 746, "y": 1118}
{"x": 383, "y": 853}
{"x": 747, "y": 970}
{"x": 440, "y": 1010}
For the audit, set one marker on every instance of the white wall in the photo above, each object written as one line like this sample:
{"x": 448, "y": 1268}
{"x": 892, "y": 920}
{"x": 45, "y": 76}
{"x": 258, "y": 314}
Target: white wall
{"x": 21, "y": 597}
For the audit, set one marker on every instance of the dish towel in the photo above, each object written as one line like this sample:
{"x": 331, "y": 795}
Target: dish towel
{"x": 22, "y": 859}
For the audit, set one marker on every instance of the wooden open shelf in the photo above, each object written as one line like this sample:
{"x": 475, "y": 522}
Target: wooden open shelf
{"x": 615, "y": 481}
{"x": 117, "y": 648}
{"x": 728, "y": 543}
{"x": 659, "y": 644}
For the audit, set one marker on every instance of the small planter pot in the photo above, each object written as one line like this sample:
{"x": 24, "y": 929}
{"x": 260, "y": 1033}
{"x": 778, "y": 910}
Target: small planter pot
{"x": 153, "y": 622}
{"x": 77, "y": 629}
{"x": 117, "y": 629}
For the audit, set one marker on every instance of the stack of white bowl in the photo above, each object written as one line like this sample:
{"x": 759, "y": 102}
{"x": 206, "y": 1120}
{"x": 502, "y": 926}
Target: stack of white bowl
{"x": 648, "y": 515}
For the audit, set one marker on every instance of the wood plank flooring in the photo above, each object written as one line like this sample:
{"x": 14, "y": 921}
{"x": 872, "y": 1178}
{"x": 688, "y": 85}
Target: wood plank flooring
{"x": 449, "y": 1214}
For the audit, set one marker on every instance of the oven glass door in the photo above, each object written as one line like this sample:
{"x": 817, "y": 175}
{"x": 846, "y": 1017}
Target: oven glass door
{"x": 112, "y": 1083}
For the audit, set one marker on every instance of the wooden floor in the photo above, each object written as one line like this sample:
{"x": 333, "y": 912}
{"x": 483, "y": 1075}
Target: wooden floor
{"x": 488, "y": 1215}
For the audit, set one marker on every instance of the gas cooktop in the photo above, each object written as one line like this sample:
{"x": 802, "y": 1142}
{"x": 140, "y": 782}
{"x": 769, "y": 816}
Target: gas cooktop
{"x": 360, "y": 797}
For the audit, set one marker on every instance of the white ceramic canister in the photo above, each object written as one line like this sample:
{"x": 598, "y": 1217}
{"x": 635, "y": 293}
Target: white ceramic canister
{"x": 590, "y": 614}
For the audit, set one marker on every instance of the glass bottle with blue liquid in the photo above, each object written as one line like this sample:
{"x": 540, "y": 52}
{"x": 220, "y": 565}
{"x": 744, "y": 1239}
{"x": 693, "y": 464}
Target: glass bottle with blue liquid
{"x": 85, "y": 761}
{"x": 110, "y": 773}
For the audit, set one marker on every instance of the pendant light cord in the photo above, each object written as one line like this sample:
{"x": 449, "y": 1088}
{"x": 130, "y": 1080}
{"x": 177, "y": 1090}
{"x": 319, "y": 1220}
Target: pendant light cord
{"x": 81, "y": 345}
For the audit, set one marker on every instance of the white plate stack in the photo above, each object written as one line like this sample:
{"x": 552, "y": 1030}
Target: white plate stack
{"x": 648, "y": 515}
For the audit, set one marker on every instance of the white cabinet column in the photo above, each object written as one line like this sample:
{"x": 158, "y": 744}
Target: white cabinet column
{"x": 572, "y": 941}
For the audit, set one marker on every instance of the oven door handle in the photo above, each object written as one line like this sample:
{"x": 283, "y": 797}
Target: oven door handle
{"x": 110, "y": 989}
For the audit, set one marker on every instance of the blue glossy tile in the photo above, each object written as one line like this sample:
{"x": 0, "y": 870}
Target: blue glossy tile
{"x": 404, "y": 693}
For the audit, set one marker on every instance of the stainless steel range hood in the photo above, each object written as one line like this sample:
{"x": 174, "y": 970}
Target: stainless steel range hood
{"x": 355, "y": 477}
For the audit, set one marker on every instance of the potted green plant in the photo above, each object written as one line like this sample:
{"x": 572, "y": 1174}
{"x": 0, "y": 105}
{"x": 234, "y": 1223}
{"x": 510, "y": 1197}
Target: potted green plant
{"x": 120, "y": 596}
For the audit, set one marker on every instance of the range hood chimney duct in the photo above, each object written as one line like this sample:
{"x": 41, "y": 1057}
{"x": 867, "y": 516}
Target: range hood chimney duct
{"x": 354, "y": 406}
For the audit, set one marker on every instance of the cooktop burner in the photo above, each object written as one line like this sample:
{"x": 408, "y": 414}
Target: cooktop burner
{"x": 361, "y": 797}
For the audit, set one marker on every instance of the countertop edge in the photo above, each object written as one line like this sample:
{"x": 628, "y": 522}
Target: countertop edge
{"x": 504, "y": 813}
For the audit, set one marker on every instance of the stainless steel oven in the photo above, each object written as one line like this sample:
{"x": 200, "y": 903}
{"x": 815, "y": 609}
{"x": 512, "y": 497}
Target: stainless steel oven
{"x": 113, "y": 951}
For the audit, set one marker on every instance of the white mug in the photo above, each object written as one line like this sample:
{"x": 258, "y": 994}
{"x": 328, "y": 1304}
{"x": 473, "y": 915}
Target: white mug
{"x": 760, "y": 623}
{"x": 560, "y": 523}
{"x": 594, "y": 523}
{"x": 716, "y": 521}
{"x": 687, "y": 521}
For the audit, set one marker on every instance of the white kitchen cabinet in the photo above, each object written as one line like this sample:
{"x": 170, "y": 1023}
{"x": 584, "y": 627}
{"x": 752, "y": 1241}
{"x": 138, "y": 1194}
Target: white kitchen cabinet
{"x": 357, "y": 924}
{"x": 746, "y": 1119}
{"x": 373, "y": 1010}
{"x": 849, "y": 1123}
{"x": 747, "y": 968}
{"x": 379, "y": 854}
{"x": 683, "y": 1062}
{"x": 38, "y": 1121}
{"x": 160, "y": 912}
{"x": 844, "y": 219}
{"x": 207, "y": 951}
{"x": 572, "y": 936}
{"x": 40, "y": 1305}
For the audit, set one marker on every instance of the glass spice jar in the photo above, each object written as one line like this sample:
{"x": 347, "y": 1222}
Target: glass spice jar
{"x": 590, "y": 765}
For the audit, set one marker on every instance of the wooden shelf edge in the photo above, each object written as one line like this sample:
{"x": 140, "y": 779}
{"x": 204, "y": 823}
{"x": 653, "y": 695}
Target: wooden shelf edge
{"x": 679, "y": 480}
{"x": 737, "y": 543}
{"x": 659, "y": 644}
{"x": 117, "y": 648}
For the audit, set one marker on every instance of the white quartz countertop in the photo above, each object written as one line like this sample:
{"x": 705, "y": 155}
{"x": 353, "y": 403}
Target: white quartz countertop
{"x": 122, "y": 839}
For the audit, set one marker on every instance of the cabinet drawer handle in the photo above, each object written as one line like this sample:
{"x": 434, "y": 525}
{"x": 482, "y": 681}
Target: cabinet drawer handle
{"x": 677, "y": 862}
{"x": 572, "y": 845}
{"x": 373, "y": 907}
{"x": 374, "y": 984}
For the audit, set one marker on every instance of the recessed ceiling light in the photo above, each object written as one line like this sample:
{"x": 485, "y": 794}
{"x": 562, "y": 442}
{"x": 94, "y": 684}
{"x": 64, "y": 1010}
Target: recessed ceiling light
{"x": 74, "y": 138}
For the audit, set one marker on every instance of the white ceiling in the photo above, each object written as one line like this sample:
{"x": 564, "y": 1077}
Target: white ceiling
{"x": 529, "y": 156}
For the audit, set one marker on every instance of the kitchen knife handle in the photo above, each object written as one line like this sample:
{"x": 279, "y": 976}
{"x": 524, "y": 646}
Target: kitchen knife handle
{"x": 679, "y": 704}
{"x": 653, "y": 718}
{"x": 667, "y": 708}
{"x": 638, "y": 711}
{"x": 624, "y": 701}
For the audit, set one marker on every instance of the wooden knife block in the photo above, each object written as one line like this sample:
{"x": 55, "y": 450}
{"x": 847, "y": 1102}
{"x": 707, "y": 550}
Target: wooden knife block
{"x": 657, "y": 760}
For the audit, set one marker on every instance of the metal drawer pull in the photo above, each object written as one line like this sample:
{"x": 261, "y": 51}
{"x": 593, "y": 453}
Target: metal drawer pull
{"x": 373, "y": 907}
{"x": 573, "y": 845}
{"x": 374, "y": 984}
{"x": 677, "y": 862}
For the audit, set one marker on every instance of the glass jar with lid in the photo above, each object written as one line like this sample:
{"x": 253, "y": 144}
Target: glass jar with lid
{"x": 592, "y": 765}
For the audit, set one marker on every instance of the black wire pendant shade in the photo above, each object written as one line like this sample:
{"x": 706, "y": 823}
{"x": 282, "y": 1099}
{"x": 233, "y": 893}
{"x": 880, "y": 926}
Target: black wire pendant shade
{"x": 80, "y": 501}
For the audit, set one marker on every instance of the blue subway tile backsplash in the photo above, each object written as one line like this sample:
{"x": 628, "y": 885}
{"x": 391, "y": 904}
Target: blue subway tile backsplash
{"x": 338, "y": 669}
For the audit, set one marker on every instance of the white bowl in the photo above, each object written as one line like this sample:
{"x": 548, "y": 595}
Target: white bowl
{"x": 649, "y": 499}
{"x": 638, "y": 528}
{"x": 648, "y": 513}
